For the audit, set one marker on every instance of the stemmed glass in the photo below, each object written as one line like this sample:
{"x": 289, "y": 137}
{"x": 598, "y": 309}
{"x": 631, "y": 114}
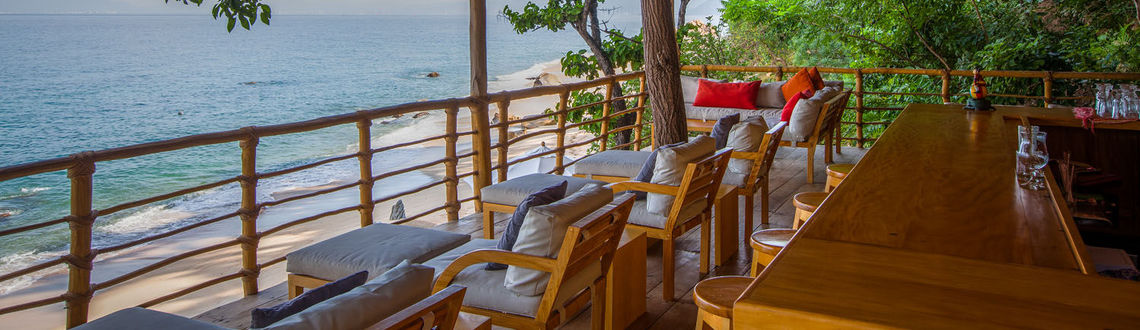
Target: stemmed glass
{"x": 1032, "y": 157}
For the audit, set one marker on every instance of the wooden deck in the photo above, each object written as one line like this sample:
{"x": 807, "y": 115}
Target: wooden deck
{"x": 788, "y": 178}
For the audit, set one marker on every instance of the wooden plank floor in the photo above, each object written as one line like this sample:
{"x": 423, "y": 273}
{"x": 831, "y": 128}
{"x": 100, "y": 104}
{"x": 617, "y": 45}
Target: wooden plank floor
{"x": 788, "y": 178}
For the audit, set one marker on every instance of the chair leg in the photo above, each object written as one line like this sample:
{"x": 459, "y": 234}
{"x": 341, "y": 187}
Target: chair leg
{"x": 811, "y": 163}
{"x": 598, "y": 311}
{"x": 827, "y": 148}
{"x": 488, "y": 224}
{"x": 838, "y": 141}
{"x": 706, "y": 245}
{"x": 667, "y": 255}
{"x": 749, "y": 204}
{"x": 763, "y": 203}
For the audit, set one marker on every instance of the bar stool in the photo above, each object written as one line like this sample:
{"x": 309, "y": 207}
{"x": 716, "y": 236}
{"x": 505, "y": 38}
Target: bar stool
{"x": 766, "y": 244}
{"x": 836, "y": 173}
{"x": 714, "y": 298}
{"x": 806, "y": 203}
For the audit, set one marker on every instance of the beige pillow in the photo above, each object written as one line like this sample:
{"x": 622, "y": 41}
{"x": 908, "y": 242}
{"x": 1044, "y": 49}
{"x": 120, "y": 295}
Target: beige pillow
{"x": 806, "y": 113}
{"x": 379, "y": 298}
{"x": 771, "y": 95}
{"x": 745, "y": 136}
{"x": 542, "y": 233}
{"x": 670, "y": 169}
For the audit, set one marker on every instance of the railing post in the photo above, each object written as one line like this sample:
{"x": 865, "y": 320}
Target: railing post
{"x": 249, "y": 211}
{"x": 606, "y": 115}
{"x": 561, "y": 151}
{"x": 945, "y": 85}
{"x": 859, "y": 107}
{"x": 503, "y": 106}
{"x": 640, "y": 113}
{"x": 451, "y": 165}
{"x": 364, "y": 154}
{"x": 81, "y": 220}
{"x": 481, "y": 143}
{"x": 780, "y": 73}
{"x": 704, "y": 71}
{"x": 1048, "y": 83}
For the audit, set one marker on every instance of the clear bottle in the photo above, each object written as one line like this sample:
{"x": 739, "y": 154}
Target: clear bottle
{"x": 1131, "y": 102}
{"x": 1103, "y": 102}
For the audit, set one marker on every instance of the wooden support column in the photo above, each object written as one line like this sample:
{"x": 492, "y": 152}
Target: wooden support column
{"x": 606, "y": 116}
{"x": 662, "y": 71}
{"x": 249, "y": 211}
{"x": 503, "y": 106}
{"x": 364, "y": 154}
{"x": 563, "y": 99}
{"x": 451, "y": 171}
{"x": 480, "y": 123}
{"x": 1048, "y": 83}
{"x": 779, "y": 73}
{"x": 81, "y": 220}
{"x": 946, "y": 86}
{"x": 859, "y": 108}
{"x": 640, "y": 113}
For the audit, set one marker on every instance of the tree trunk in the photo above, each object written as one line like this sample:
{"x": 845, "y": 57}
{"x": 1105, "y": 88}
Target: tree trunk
{"x": 663, "y": 72}
{"x": 590, "y": 30}
{"x": 681, "y": 13}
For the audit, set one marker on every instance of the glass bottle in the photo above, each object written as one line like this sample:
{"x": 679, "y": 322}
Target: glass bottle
{"x": 1103, "y": 100}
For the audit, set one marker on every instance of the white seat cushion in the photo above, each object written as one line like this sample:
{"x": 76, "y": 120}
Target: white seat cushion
{"x": 376, "y": 248}
{"x": 622, "y": 163}
{"x": 640, "y": 215}
{"x": 734, "y": 179}
{"x": 514, "y": 191}
{"x": 485, "y": 287}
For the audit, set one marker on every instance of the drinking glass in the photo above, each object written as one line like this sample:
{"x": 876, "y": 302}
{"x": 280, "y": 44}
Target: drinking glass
{"x": 1038, "y": 159}
{"x": 1024, "y": 152}
{"x": 1131, "y": 102}
{"x": 1103, "y": 100}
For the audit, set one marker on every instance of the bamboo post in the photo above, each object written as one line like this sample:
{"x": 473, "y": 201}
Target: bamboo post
{"x": 481, "y": 143}
{"x": 561, "y": 151}
{"x": 451, "y": 165}
{"x": 503, "y": 148}
{"x": 249, "y": 211}
{"x": 946, "y": 86}
{"x": 704, "y": 71}
{"x": 1048, "y": 83}
{"x": 606, "y": 116}
{"x": 640, "y": 113}
{"x": 364, "y": 154}
{"x": 780, "y": 73}
{"x": 477, "y": 31}
{"x": 81, "y": 220}
{"x": 859, "y": 108}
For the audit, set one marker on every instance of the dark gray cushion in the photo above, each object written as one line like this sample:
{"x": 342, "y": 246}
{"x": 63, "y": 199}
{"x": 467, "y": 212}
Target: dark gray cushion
{"x": 722, "y": 127}
{"x": 376, "y": 249}
{"x": 513, "y": 191}
{"x": 263, "y": 317}
{"x": 391, "y": 292}
{"x": 138, "y": 318}
{"x": 620, "y": 163}
{"x": 542, "y": 197}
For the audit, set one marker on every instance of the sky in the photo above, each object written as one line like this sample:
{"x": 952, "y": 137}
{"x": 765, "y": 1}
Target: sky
{"x": 697, "y": 8}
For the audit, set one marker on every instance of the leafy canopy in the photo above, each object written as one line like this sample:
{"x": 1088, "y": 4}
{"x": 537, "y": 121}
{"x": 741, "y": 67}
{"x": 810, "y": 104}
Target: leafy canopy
{"x": 245, "y": 12}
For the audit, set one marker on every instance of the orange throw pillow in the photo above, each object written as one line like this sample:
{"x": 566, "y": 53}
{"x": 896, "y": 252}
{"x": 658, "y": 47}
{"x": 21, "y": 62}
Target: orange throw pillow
{"x": 798, "y": 83}
{"x": 816, "y": 78}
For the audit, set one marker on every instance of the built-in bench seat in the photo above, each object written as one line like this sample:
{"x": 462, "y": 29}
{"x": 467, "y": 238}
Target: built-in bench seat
{"x": 505, "y": 196}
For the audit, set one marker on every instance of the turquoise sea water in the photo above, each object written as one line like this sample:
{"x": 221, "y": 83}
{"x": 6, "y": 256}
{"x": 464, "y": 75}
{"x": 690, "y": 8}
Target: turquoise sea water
{"x": 74, "y": 83}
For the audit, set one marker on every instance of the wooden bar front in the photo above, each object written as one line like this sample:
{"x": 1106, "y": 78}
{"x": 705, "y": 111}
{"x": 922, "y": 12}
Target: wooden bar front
{"x": 931, "y": 229}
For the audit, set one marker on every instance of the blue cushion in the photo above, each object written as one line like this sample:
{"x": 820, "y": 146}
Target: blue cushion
{"x": 545, "y": 196}
{"x": 646, "y": 172}
{"x": 722, "y": 127}
{"x": 263, "y": 317}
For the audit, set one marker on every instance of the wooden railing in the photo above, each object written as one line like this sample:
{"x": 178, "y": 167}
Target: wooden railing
{"x": 81, "y": 167}
{"x": 949, "y": 90}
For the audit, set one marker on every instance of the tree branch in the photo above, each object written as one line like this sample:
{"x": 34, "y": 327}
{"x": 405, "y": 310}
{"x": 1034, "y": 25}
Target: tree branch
{"x": 906, "y": 17}
{"x": 620, "y": 36}
{"x": 876, "y": 42}
{"x": 982, "y": 23}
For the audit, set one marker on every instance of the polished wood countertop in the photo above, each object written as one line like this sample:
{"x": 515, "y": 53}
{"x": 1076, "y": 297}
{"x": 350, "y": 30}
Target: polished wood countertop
{"x": 931, "y": 229}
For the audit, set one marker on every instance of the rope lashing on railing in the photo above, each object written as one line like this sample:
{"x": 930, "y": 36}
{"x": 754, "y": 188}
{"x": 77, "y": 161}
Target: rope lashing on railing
{"x": 83, "y": 164}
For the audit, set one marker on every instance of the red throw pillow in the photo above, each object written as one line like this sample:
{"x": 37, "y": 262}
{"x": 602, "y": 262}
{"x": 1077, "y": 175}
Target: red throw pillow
{"x": 816, "y": 78}
{"x": 791, "y": 105}
{"x": 799, "y": 82}
{"x": 727, "y": 95}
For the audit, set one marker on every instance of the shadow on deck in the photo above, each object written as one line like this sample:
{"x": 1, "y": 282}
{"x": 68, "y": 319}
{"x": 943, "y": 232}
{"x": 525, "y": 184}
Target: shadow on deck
{"x": 787, "y": 179}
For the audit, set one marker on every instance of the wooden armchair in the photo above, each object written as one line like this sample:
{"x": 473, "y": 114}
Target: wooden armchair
{"x": 589, "y": 241}
{"x": 757, "y": 178}
{"x": 439, "y": 311}
{"x": 691, "y": 208}
{"x": 826, "y": 130}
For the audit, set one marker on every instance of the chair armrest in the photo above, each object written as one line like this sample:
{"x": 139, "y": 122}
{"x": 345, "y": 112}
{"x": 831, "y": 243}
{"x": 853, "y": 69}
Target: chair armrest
{"x": 746, "y": 155}
{"x": 490, "y": 255}
{"x": 642, "y": 186}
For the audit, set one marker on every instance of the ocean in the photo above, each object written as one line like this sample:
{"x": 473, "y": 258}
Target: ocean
{"x": 71, "y": 83}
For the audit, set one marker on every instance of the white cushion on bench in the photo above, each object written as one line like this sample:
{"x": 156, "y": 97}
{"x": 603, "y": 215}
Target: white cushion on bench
{"x": 514, "y": 191}
{"x": 138, "y": 318}
{"x": 623, "y": 163}
{"x": 376, "y": 248}
{"x": 640, "y": 215}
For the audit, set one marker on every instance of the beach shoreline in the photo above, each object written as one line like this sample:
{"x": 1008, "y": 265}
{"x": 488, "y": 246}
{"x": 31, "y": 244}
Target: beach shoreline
{"x": 207, "y": 266}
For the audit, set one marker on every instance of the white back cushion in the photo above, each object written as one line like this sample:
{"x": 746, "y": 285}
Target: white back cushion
{"x": 670, "y": 169}
{"x": 747, "y": 136}
{"x": 806, "y": 112}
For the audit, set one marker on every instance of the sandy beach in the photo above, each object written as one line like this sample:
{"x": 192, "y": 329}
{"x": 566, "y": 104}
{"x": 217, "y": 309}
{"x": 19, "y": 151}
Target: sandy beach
{"x": 197, "y": 269}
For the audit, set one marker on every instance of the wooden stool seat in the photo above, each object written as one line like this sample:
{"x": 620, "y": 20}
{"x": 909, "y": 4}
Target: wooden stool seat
{"x": 766, "y": 244}
{"x": 714, "y": 298}
{"x": 836, "y": 173}
{"x": 806, "y": 203}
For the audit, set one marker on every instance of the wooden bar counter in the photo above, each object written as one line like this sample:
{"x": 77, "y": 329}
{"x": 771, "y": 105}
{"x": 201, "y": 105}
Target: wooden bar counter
{"x": 931, "y": 230}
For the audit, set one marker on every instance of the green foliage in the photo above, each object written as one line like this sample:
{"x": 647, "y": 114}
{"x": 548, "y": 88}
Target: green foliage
{"x": 244, "y": 12}
{"x": 581, "y": 98}
{"x": 1048, "y": 35}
